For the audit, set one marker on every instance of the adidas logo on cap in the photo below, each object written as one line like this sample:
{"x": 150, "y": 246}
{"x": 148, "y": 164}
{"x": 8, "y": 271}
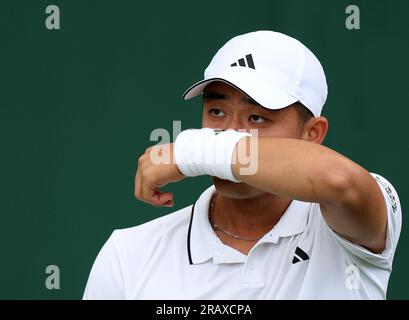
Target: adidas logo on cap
{"x": 242, "y": 63}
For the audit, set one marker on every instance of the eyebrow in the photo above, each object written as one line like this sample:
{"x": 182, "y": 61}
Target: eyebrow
{"x": 213, "y": 95}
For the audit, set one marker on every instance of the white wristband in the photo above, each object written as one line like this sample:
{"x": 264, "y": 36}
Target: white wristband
{"x": 207, "y": 152}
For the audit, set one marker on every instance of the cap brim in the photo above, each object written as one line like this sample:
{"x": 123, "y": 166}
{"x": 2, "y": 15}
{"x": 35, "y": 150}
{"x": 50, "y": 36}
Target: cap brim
{"x": 267, "y": 95}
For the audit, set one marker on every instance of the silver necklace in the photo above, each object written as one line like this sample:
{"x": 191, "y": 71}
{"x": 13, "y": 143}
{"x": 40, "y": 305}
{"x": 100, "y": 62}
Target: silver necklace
{"x": 216, "y": 227}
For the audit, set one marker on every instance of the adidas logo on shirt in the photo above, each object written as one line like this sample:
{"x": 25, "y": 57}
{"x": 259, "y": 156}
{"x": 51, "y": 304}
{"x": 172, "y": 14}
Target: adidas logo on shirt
{"x": 242, "y": 62}
{"x": 300, "y": 255}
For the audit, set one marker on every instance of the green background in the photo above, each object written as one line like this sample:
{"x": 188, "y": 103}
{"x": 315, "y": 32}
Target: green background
{"x": 77, "y": 106}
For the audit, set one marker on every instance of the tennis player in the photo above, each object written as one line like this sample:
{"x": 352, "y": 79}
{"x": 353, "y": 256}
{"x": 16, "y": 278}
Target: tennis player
{"x": 297, "y": 220}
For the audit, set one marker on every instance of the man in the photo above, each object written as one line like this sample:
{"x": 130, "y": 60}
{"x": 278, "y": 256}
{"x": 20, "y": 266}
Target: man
{"x": 307, "y": 223}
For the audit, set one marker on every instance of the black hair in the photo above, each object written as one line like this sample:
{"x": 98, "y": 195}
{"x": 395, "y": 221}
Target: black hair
{"x": 304, "y": 114}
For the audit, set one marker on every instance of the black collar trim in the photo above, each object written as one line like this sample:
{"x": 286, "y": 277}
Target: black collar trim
{"x": 189, "y": 253}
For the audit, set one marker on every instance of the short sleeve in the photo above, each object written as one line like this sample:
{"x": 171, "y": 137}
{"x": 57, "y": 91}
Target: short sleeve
{"x": 106, "y": 280}
{"x": 385, "y": 258}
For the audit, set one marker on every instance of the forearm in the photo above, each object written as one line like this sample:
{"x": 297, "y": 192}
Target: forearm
{"x": 297, "y": 169}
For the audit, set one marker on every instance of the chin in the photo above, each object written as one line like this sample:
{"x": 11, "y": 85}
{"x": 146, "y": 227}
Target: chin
{"x": 235, "y": 190}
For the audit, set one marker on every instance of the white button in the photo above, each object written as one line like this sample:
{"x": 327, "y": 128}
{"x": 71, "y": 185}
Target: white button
{"x": 251, "y": 266}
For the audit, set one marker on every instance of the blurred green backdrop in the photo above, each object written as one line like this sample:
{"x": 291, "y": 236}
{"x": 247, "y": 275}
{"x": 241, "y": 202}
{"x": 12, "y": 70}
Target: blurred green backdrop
{"x": 77, "y": 106}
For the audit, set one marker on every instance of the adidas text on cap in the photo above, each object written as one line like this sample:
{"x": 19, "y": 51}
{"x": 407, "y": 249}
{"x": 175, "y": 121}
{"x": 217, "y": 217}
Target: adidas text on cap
{"x": 271, "y": 68}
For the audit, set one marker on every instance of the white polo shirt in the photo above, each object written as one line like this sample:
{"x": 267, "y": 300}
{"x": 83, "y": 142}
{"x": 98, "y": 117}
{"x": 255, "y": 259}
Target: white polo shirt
{"x": 179, "y": 256}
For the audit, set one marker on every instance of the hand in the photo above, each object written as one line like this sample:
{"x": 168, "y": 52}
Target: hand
{"x": 156, "y": 168}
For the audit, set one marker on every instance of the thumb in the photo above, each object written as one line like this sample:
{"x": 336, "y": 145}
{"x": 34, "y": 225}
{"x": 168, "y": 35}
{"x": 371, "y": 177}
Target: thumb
{"x": 165, "y": 198}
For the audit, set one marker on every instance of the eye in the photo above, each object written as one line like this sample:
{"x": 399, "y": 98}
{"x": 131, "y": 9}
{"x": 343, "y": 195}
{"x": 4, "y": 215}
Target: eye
{"x": 257, "y": 119}
{"x": 216, "y": 112}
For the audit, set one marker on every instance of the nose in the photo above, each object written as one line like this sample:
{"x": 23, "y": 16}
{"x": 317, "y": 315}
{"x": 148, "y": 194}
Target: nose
{"x": 234, "y": 123}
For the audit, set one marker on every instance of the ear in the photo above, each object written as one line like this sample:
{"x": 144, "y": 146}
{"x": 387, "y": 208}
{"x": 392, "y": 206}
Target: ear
{"x": 315, "y": 130}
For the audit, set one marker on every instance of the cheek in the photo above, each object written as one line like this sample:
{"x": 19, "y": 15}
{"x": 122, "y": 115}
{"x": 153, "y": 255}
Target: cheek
{"x": 206, "y": 121}
{"x": 281, "y": 131}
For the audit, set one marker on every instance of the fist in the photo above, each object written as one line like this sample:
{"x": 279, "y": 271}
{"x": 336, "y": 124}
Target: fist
{"x": 156, "y": 168}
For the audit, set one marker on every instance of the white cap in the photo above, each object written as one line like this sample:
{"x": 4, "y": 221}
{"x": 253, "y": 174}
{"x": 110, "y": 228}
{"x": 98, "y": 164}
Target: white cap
{"x": 271, "y": 68}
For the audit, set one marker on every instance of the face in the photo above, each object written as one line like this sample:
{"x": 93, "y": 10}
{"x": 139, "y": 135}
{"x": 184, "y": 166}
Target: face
{"x": 225, "y": 107}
